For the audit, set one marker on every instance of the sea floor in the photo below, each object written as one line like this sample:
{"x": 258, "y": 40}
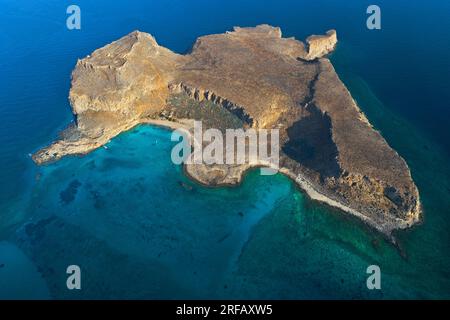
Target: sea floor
{"x": 139, "y": 228}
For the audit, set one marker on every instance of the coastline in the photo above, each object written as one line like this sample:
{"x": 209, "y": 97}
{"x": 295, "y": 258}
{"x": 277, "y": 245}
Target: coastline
{"x": 240, "y": 172}
{"x": 137, "y": 215}
{"x": 300, "y": 181}
{"x": 352, "y": 168}
{"x": 65, "y": 147}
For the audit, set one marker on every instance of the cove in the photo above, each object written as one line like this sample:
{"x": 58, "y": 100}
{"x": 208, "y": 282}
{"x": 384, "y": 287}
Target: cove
{"x": 128, "y": 211}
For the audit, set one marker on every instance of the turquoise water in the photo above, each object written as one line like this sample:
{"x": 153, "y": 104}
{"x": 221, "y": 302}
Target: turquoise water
{"x": 127, "y": 210}
{"x": 138, "y": 228}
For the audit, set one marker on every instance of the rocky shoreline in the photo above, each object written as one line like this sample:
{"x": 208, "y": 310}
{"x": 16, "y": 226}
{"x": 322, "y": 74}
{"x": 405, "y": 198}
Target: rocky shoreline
{"x": 199, "y": 173}
{"x": 255, "y": 78}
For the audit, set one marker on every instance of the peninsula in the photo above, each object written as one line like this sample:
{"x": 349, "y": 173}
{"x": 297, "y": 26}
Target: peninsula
{"x": 249, "y": 78}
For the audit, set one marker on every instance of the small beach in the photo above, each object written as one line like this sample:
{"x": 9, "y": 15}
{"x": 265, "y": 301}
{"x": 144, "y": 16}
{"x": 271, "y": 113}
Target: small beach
{"x": 139, "y": 228}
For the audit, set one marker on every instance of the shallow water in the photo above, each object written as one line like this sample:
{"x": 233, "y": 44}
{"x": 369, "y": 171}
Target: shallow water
{"x": 127, "y": 210}
{"x": 19, "y": 275}
{"x": 125, "y": 215}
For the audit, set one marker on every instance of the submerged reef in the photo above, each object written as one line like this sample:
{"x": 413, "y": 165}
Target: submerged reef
{"x": 253, "y": 78}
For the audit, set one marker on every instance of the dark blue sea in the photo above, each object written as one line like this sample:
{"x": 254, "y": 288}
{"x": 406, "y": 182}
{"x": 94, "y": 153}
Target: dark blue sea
{"x": 125, "y": 215}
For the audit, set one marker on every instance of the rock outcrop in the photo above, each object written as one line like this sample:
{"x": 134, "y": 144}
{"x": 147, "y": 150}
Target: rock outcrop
{"x": 320, "y": 45}
{"x": 266, "y": 81}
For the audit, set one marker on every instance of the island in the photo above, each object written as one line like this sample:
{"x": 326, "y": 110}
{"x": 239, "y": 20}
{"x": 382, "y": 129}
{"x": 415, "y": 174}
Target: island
{"x": 246, "y": 78}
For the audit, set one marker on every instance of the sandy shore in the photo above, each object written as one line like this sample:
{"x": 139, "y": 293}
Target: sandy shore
{"x": 210, "y": 176}
{"x": 200, "y": 172}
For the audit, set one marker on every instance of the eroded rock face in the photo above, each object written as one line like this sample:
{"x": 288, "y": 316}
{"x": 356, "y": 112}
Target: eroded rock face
{"x": 265, "y": 81}
{"x": 320, "y": 45}
{"x": 127, "y": 79}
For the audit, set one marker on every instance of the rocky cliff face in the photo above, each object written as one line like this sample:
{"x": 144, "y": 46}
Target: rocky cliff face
{"x": 266, "y": 81}
{"x": 320, "y": 45}
{"x": 111, "y": 85}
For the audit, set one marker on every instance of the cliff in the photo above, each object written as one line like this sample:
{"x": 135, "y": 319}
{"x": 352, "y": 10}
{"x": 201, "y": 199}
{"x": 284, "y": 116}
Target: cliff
{"x": 250, "y": 77}
{"x": 320, "y": 45}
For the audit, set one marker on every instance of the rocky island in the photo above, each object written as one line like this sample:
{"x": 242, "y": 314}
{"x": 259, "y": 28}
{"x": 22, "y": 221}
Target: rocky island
{"x": 249, "y": 78}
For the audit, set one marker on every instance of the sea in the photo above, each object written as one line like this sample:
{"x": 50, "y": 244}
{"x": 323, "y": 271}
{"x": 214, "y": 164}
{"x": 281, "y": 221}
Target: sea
{"x": 138, "y": 228}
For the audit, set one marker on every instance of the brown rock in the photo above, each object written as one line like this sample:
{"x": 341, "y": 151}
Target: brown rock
{"x": 265, "y": 80}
